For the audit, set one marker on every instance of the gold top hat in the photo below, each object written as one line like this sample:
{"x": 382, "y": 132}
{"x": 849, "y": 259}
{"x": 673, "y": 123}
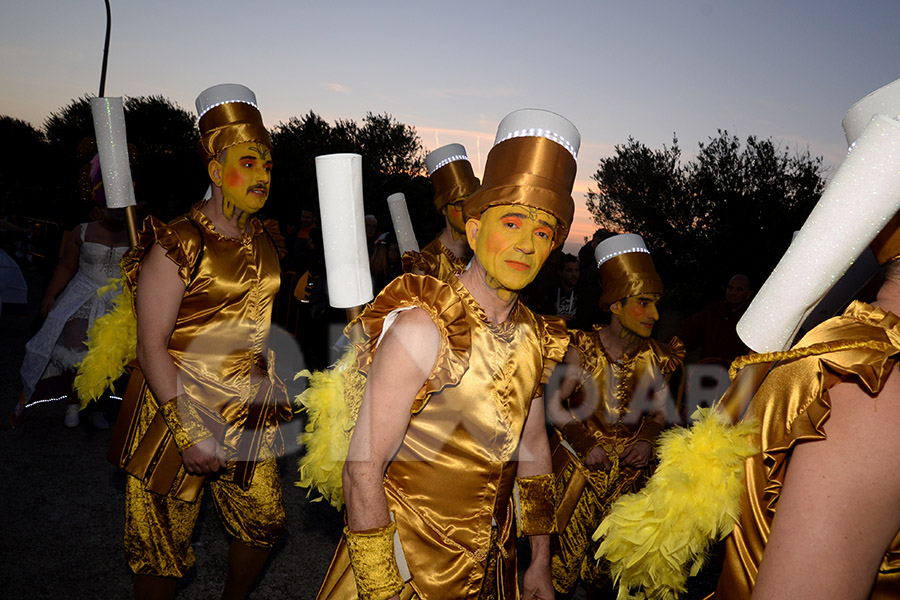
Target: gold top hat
{"x": 626, "y": 269}
{"x": 229, "y": 116}
{"x": 451, "y": 174}
{"x": 533, "y": 164}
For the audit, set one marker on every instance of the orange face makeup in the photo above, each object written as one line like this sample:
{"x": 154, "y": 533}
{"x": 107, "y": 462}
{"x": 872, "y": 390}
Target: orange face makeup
{"x": 455, "y": 218}
{"x": 512, "y": 242}
{"x": 246, "y": 173}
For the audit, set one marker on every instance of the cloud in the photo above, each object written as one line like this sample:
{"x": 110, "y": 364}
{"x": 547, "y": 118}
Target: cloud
{"x": 472, "y": 93}
{"x": 336, "y": 87}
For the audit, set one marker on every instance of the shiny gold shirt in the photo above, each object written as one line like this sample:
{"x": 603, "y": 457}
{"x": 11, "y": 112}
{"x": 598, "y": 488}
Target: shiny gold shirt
{"x": 435, "y": 259}
{"x": 221, "y": 335}
{"x": 792, "y": 406}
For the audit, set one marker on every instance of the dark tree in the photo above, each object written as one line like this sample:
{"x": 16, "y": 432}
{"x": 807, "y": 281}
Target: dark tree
{"x": 731, "y": 209}
{"x": 392, "y": 158}
{"x": 162, "y": 139}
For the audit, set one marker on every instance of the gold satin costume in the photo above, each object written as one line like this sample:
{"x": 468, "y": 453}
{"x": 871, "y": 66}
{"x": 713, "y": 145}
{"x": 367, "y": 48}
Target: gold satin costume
{"x": 450, "y": 485}
{"x": 587, "y": 495}
{"x": 435, "y": 259}
{"x": 220, "y": 348}
{"x": 793, "y": 406}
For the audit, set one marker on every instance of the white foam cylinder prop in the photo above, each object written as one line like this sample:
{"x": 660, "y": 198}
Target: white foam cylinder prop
{"x": 112, "y": 145}
{"x": 863, "y": 195}
{"x": 339, "y": 178}
{"x": 403, "y": 228}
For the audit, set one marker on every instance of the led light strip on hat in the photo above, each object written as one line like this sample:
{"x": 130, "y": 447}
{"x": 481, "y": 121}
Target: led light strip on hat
{"x": 544, "y": 133}
{"x": 618, "y": 252}
{"x": 447, "y": 161}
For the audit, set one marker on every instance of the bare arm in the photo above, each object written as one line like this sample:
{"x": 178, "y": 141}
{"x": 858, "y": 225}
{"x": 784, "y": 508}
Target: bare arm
{"x": 63, "y": 273}
{"x": 840, "y": 504}
{"x": 158, "y": 299}
{"x": 534, "y": 459}
{"x": 401, "y": 365}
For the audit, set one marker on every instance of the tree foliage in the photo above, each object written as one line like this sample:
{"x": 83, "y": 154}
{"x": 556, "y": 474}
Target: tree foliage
{"x": 731, "y": 209}
{"x": 392, "y": 161}
{"x": 169, "y": 175}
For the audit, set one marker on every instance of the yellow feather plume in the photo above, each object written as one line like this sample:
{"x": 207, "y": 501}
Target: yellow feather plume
{"x": 654, "y": 539}
{"x": 331, "y": 403}
{"x": 111, "y": 345}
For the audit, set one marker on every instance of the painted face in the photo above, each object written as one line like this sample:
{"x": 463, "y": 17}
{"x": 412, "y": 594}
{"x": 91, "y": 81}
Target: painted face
{"x": 512, "y": 242}
{"x": 639, "y": 313}
{"x": 455, "y": 218}
{"x": 246, "y": 173}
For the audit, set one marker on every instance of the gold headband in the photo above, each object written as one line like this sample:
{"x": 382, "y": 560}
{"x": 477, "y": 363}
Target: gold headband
{"x": 230, "y": 124}
{"x": 886, "y": 244}
{"x": 529, "y": 171}
{"x": 454, "y": 181}
{"x": 628, "y": 275}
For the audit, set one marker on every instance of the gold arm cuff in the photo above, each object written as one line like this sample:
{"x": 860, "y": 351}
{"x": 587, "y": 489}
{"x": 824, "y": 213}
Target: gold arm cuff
{"x": 184, "y": 422}
{"x": 537, "y": 504}
{"x": 373, "y": 562}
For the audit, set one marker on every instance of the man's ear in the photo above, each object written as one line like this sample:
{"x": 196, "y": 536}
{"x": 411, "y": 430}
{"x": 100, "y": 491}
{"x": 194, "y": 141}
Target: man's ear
{"x": 472, "y": 228}
{"x": 215, "y": 170}
{"x": 616, "y": 307}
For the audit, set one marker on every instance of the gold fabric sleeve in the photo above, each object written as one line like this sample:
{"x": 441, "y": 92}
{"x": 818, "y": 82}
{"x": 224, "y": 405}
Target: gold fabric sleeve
{"x": 373, "y": 562}
{"x": 184, "y": 422}
{"x": 537, "y": 504}
{"x": 628, "y": 275}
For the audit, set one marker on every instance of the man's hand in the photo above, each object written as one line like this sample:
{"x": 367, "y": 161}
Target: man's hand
{"x": 203, "y": 457}
{"x": 536, "y": 583}
{"x": 637, "y": 454}
{"x": 597, "y": 459}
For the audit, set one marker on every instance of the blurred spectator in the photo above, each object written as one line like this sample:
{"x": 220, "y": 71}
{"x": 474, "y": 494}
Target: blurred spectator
{"x": 384, "y": 262}
{"x": 562, "y": 298}
{"x": 712, "y": 330}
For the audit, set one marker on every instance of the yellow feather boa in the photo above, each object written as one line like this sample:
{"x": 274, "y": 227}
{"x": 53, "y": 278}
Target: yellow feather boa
{"x": 331, "y": 403}
{"x": 654, "y": 538}
{"x": 111, "y": 345}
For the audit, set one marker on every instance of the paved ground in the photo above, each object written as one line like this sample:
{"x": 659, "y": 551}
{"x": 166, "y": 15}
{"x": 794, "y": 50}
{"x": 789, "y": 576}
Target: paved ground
{"x": 62, "y": 504}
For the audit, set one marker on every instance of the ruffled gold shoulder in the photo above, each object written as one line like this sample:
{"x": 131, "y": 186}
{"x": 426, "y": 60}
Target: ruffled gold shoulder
{"x": 445, "y": 307}
{"x": 591, "y": 351}
{"x": 668, "y": 356}
{"x": 180, "y": 239}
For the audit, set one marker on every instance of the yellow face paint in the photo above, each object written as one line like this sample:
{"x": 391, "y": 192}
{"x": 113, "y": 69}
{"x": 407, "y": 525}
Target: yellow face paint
{"x": 512, "y": 242}
{"x": 244, "y": 176}
{"x": 639, "y": 313}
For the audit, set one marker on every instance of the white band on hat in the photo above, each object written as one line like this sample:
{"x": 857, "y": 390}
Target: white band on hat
{"x": 883, "y": 101}
{"x": 224, "y": 93}
{"x": 443, "y": 156}
{"x": 617, "y": 245}
{"x": 534, "y": 122}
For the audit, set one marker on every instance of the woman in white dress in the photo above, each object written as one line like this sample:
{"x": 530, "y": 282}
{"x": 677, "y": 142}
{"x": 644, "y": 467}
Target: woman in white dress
{"x": 71, "y": 304}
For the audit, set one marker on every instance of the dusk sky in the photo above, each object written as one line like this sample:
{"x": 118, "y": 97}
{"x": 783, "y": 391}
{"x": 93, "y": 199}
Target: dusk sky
{"x": 645, "y": 68}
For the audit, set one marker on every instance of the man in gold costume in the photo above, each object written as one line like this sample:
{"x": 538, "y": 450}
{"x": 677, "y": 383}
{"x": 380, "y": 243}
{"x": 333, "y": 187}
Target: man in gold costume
{"x": 454, "y": 181}
{"x": 207, "y": 403}
{"x": 609, "y": 409}
{"x": 452, "y": 420}
{"x": 820, "y": 513}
